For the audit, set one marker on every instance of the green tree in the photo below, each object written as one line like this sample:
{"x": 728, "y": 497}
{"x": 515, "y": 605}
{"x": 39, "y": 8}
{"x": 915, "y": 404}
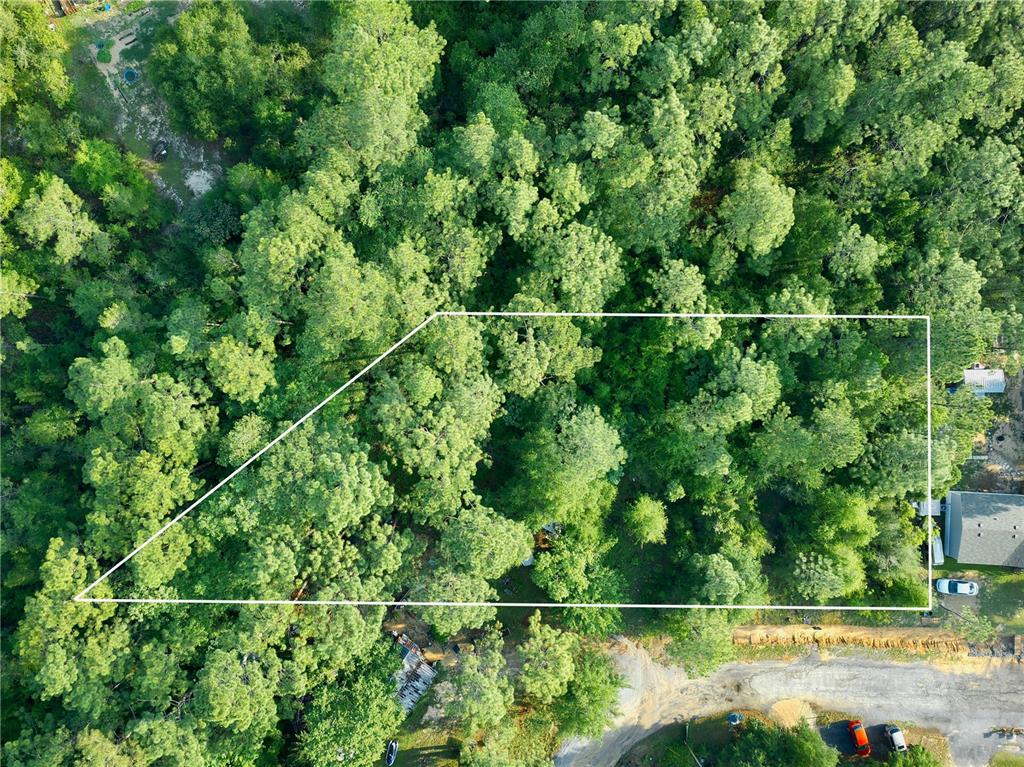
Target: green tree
{"x": 144, "y": 439}
{"x": 819, "y": 577}
{"x": 70, "y": 651}
{"x": 210, "y": 70}
{"x": 548, "y": 661}
{"x": 345, "y": 304}
{"x": 974, "y": 627}
{"x": 116, "y": 178}
{"x": 577, "y": 269}
{"x": 722, "y": 584}
{"x": 533, "y": 351}
{"x": 239, "y": 371}
{"x": 236, "y": 691}
{"x": 564, "y": 477}
{"x": 352, "y": 721}
{"x": 589, "y": 703}
{"x": 763, "y": 744}
{"x": 485, "y": 543}
{"x": 701, "y": 639}
{"x": 479, "y": 693}
{"x": 647, "y": 520}
{"x": 377, "y": 66}
{"x": 758, "y": 213}
{"x": 55, "y": 217}
{"x": 15, "y": 292}
{"x": 34, "y": 87}
{"x": 248, "y": 434}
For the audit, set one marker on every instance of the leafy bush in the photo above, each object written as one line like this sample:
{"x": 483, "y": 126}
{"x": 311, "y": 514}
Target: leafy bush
{"x": 762, "y": 745}
{"x": 974, "y": 627}
{"x": 915, "y": 757}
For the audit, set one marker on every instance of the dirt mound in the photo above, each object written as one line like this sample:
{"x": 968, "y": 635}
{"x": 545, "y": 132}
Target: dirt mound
{"x": 917, "y": 640}
{"x": 789, "y": 712}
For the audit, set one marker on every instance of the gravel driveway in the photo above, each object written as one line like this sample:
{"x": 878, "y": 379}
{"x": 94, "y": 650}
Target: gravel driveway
{"x": 963, "y": 704}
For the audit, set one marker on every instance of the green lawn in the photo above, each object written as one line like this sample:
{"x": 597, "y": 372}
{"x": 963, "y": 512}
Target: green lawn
{"x": 1004, "y": 759}
{"x": 95, "y": 104}
{"x": 521, "y": 588}
{"x": 666, "y": 747}
{"x": 420, "y": 746}
{"x": 149, "y": 25}
{"x": 749, "y": 653}
{"x": 425, "y": 746}
{"x": 1003, "y": 601}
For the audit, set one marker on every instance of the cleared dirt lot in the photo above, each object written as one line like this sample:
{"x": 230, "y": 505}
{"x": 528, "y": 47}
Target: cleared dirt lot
{"x": 964, "y": 700}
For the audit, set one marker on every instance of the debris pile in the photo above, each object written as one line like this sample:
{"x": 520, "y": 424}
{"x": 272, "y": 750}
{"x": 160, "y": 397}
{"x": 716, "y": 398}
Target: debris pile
{"x": 416, "y": 674}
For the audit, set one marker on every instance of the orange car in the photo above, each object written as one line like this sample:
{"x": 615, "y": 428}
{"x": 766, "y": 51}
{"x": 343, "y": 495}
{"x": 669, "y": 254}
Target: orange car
{"x": 859, "y": 736}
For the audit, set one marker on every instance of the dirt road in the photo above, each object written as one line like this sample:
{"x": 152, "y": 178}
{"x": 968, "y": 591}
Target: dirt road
{"x": 963, "y": 704}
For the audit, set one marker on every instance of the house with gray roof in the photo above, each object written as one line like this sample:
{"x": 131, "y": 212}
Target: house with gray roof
{"x": 985, "y": 528}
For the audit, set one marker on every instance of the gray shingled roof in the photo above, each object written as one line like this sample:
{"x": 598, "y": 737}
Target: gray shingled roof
{"x": 985, "y": 528}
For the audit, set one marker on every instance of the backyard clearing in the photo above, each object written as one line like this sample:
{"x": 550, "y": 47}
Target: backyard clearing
{"x": 1008, "y": 438}
{"x": 964, "y": 699}
{"x": 107, "y": 63}
{"x": 1000, "y": 466}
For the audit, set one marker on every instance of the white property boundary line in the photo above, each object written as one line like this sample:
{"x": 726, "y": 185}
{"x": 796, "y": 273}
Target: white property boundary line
{"x": 81, "y": 596}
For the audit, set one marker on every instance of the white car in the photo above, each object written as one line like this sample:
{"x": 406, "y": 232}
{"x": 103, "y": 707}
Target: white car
{"x": 953, "y": 586}
{"x": 895, "y": 737}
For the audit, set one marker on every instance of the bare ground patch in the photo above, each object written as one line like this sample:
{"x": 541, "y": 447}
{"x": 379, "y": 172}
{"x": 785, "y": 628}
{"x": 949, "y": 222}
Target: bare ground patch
{"x": 190, "y": 167}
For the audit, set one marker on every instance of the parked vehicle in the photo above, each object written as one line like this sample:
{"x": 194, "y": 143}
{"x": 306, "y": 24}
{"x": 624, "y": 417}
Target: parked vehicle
{"x": 895, "y": 737}
{"x": 953, "y": 586}
{"x": 859, "y": 736}
{"x": 391, "y": 754}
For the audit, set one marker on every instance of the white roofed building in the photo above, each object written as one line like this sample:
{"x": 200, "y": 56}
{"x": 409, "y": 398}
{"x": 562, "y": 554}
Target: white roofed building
{"x": 983, "y": 380}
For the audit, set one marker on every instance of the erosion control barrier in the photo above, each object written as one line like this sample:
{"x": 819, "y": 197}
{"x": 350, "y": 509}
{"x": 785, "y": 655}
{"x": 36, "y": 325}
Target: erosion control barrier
{"x": 911, "y": 639}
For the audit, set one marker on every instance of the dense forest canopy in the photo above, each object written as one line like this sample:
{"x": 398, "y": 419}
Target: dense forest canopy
{"x": 393, "y": 160}
{"x": 431, "y": 476}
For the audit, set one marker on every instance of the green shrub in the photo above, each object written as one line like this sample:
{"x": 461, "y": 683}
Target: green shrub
{"x": 103, "y": 56}
{"x": 974, "y": 627}
{"x": 915, "y": 757}
{"x": 135, "y": 5}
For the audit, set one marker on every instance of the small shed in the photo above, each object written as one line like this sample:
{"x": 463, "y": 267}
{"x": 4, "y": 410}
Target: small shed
{"x": 984, "y": 380}
{"x": 415, "y": 675}
{"x": 937, "y": 558}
